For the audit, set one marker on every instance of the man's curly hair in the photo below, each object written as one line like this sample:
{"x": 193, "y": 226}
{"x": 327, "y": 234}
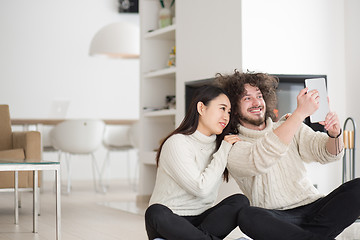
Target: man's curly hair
{"x": 234, "y": 85}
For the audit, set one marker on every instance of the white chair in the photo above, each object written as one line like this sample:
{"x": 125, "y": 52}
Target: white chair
{"x": 80, "y": 136}
{"x": 117, "y": 138}
{"x": 47, "y": 145}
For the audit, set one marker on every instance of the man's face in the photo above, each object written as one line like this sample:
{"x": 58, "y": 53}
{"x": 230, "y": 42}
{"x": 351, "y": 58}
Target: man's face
{"x": 252, "y": 108}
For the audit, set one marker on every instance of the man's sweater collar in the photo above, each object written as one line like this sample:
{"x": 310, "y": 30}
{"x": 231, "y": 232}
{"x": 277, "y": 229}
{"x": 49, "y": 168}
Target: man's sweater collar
{"x": 256, "y": 133}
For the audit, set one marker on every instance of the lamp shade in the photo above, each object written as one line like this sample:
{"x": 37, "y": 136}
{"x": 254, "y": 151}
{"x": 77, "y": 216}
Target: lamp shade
{"x": 116, "y": 40}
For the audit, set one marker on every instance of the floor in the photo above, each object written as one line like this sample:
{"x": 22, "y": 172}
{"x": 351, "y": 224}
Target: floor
{"x": 89, "y": 215}
{"x": 84, "y": 215}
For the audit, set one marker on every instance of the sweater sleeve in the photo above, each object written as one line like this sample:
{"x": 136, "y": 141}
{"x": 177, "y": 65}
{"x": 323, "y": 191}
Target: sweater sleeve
{"x": 178, "y": 160}
{"x": 310, "y": 152}
{"x": 247, "y": 158}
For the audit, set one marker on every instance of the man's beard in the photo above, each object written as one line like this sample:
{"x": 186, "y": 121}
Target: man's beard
{"x": 256, "y": 122}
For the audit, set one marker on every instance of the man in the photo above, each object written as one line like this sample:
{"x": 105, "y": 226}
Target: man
{"x": 268, "y": 162}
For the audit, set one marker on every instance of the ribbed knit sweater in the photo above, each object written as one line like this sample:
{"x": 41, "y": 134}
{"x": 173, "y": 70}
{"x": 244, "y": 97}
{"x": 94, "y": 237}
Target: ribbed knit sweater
{"x": 189, "y": 173}
{"x": 272, "y": 174}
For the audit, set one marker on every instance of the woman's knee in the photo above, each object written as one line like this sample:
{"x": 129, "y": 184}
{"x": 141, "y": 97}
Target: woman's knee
{"x": 153, "y": 218}
{"x": 156, "y": 212}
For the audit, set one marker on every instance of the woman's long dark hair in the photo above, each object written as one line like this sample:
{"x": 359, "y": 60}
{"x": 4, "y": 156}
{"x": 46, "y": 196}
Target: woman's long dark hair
{"x": 190, "y": 122}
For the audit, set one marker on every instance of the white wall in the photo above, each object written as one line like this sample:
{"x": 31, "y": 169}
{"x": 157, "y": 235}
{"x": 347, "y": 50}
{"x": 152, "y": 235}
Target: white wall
{"x": 300, "y": 37}
{"x": 283, "y": 37}
{"x": 208, "y": 39}
{"x": 44, "y": 59}
{"x": 352, "y": 58}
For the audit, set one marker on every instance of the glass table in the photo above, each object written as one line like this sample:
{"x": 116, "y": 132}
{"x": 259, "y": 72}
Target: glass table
{"x": 9, "y": 165}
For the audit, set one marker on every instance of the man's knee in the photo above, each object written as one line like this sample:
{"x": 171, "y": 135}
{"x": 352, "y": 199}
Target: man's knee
{"x": 247, "y": 218}
{"x": 239, "y": 200}
{"x": 355, "y": 183}
{"x": 354, "y": 186}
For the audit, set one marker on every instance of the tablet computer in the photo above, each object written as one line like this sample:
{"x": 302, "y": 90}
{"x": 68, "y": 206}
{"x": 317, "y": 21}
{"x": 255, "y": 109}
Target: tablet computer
{"x": 320, "y": 86}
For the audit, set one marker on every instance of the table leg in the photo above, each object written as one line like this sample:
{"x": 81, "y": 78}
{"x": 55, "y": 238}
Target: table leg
{"x": 16, "y": 196}
{"x": 58, "y": 204}
{"x": 35, "y": 201}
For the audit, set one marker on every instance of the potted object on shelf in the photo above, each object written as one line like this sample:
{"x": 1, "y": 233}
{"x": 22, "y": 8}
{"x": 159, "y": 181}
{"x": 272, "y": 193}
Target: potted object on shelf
{"x": 170, "y": 102}
{"x": 172, "y": 58}
{"x": 165, "y": 18}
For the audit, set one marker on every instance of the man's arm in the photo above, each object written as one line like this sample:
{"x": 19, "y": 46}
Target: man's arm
{"x": 250, "y": 158}
{"x": 307, "y": 104}
{"x": 257, "y": 158}
{"x": 332, "y": 124}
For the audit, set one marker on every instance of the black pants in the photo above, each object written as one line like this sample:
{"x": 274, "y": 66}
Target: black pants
{"x": 323, "y": 219}
{"x": 215, "y": 223}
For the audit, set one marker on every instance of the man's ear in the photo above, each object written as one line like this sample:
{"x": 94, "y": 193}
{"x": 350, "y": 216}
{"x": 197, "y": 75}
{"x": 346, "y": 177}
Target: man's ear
{"x": 200, "y": 108}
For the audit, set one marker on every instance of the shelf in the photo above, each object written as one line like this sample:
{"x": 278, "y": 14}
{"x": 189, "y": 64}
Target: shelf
{"x": 157, "y": 82}
{"x": 166, "y": 72}
{"x": 160, "y": 113}
{"x": 166, "y": 33}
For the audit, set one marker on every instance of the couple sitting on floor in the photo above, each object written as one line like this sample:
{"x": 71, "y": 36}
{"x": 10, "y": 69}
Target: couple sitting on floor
{"x": 266, "y": 158}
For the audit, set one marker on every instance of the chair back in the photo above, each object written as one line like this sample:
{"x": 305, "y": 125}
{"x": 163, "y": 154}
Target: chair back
{"x": 134, "y": 135}
{"x": 45, "y": 135}
{"x": 78, "y": 136}
{"x": 117, "y": 136}
{"x": 5, "y": 128}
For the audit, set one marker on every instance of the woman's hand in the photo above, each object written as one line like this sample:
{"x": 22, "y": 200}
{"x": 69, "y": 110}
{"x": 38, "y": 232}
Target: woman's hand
{"x": 231, "y": 139}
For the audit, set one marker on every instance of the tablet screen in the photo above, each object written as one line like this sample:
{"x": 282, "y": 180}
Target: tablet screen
{"x": 320, "y": 86}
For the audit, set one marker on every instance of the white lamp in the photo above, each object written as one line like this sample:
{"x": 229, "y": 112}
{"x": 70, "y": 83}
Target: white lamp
{"x": 116, "y": 40}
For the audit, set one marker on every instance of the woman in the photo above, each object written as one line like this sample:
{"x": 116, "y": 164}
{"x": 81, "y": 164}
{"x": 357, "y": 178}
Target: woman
{"x": 191, "y": 162}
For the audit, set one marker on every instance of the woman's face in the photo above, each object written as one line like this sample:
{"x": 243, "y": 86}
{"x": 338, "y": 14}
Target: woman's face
{"x": 215, "y": 116}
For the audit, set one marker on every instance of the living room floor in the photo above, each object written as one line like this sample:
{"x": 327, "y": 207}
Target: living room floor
{"x": 89, "y": 215}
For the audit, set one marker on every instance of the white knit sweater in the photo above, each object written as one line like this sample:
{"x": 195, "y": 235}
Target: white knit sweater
{"x": 272, "y": 174}
{"x": 189, "y": 173}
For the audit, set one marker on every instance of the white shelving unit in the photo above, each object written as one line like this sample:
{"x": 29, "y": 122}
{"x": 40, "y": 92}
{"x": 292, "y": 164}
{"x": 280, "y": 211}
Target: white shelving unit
{"x": 205, "y": 45}
{"x": 157, "y": 82}
{"x": 162, "y": 73}
{"x": 160, "y": 113}
{"x": 162, "y": 33}
{"x": 210, "y": 38}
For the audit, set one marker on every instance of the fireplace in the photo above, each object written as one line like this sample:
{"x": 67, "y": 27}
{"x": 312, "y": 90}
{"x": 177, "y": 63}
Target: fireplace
{"x": 288, "y": 89}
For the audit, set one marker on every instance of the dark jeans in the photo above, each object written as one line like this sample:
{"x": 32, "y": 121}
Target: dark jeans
{"x": 323, "y": 219}
{"x": 215, "y": 223}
